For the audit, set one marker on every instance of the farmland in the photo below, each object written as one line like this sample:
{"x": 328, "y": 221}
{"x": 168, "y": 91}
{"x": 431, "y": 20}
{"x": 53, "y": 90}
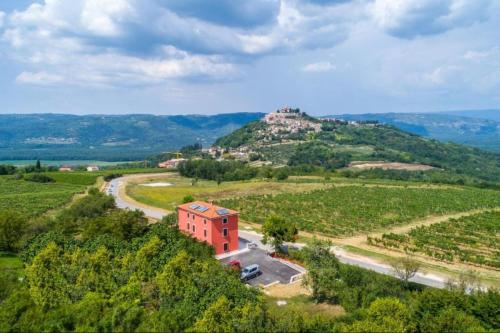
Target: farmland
{"x": 32, "y": 199}
{"x": 351, "y": 210}
{"x": 469, "y": 239}
{"x": 171, "y": 196}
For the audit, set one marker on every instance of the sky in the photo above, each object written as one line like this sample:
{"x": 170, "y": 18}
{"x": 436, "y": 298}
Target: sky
{"x": 220, "y": 56}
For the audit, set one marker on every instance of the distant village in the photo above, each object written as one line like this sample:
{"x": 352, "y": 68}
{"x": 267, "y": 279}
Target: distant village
{"x": 281, "y": 125}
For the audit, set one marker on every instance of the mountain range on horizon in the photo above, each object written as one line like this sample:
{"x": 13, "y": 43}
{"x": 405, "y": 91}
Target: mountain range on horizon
{"x": 137, "y": 136}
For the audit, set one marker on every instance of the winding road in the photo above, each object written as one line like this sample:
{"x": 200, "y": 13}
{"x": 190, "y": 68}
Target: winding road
{"x": 116, "y": 188}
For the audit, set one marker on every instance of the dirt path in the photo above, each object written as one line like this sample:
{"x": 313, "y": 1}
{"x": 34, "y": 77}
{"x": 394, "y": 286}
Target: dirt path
{"x": 429, "y": 220}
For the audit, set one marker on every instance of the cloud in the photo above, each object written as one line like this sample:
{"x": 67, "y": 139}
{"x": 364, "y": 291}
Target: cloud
{"x": 2, "y": 17}
{"x": 319, "y": 67}
{"x": 243, "y": 13}
{"x": 38, "y": 78}
{"x": 411, "y": 18}
{"x": 110, "y": 40}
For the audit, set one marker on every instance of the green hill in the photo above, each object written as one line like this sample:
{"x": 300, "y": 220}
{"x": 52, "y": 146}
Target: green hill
{"x": 478, "y": 129}
{"x": 109, "y": 138}
{"x": 338, "y": 143}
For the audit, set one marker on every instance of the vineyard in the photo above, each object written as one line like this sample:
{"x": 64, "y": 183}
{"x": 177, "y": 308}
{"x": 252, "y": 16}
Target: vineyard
{"x": 33, "y": 199}
{"x": 350, "y": 210}
{"x": 469, "y": 239}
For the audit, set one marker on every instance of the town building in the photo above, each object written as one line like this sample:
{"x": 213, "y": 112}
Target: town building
{"x": 172, "y": 163}
{"x": 92, "y": 168}
{"x": 215, "y": 225}
{"x": 65, "y": 168}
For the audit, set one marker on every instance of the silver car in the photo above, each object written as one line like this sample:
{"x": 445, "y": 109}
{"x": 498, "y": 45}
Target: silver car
{"x": 250, "y": 272}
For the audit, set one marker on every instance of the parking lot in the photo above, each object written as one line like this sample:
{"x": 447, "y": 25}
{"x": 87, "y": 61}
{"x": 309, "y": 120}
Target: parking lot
{"x": 272, "y": 270}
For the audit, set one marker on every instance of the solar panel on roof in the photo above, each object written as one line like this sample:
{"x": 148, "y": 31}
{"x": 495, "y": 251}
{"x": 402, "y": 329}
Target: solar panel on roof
{"x": 202, "y": 209}
{"x": 194, "y": 206}
{"x": 222, "y": 211}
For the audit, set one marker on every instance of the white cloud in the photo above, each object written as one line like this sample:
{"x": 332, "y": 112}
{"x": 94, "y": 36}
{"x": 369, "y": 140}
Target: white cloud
{"x": 112, "y": 39}
{"x": 410, "y": 18}
{"x": 38, "y": 78}
{"x": 319, "y": 67}
{"x": 2, "y": 18}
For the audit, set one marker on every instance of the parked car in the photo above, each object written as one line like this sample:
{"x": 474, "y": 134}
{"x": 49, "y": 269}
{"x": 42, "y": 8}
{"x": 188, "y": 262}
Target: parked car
{"x": 250, "y": 272}
{"x": 234, "y": 264}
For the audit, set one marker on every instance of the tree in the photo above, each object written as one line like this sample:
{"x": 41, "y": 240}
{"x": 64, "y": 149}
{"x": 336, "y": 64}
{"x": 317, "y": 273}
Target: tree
{"x": 277, "y": 230}
{"x": 384, "y": 315}
{"x": 170, "y": 219}
{"x": 12, "y": 229}
{"x": 450, "y": 320}
{"x": 282, "y": 174}
{"x": 405, "y": 268}
{"x": 38, "y": 166}
{"x": 323, "y": 271}
{"x": 188, "y": 198}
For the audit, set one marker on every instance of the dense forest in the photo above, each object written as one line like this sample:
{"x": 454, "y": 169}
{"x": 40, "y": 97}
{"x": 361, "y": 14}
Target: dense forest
{"x": 93, "y": 267}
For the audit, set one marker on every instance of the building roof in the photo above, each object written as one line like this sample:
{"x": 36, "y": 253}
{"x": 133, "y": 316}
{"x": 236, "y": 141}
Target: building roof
{"x": 207, "y": 210}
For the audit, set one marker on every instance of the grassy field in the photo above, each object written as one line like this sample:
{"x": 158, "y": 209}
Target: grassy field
{"x": 171, "y": 196}
{"x": 469, "y": 239}
{"x": 89, "y": 178}
{"x": 9, "y": 261}
{"x": 351, "y": 210}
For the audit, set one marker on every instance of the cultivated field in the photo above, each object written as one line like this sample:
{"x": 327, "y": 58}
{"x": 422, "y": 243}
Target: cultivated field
{"x": 31, "y": 198}
{"x": 350, "y": 210}
{"x": 469, "y": 239}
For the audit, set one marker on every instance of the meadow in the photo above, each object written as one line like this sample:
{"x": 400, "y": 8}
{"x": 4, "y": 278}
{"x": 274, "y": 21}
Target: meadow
{"x": 350, "y": 210}
{"x": 171, "y": 196}
{"x": 469, "y": 239}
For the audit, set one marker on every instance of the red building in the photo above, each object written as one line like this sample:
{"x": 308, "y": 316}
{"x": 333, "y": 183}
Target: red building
{"x": 215, "y": 225}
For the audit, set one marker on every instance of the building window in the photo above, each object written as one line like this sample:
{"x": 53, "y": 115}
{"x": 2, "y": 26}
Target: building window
{"x": 193, "y": 216}
{"x": 205, "y": 233}
{"x": 224, "y": 232}
{"x": 188, "y": 226}
{"x": 226, "y": 247}
{"x": 205, "y": 221}
{"x": 188, "y": 214}
{"x": 194, "y": 228}
{"x": 224, "y": 220}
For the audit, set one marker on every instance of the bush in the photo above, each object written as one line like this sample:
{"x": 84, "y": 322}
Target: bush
{"x": 40, "y": 178}
{"x": 112, "y": 176}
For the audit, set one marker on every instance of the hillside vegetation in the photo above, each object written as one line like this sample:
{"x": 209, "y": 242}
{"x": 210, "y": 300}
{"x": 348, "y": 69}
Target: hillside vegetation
{"x": 339, "y": 143}
{"x": 107, "y": 137}
{"x": 471, "y": 129}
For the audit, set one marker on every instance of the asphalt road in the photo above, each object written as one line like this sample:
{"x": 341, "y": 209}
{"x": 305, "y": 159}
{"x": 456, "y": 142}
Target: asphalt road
{"x": 344, "y": 257}
{"x": 272, "y": 270}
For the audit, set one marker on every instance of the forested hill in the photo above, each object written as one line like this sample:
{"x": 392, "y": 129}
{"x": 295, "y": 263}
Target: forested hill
{"x": 339, "y": 143}
{"x": 478, "y": 129}
{"x": 108, "y": 138}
